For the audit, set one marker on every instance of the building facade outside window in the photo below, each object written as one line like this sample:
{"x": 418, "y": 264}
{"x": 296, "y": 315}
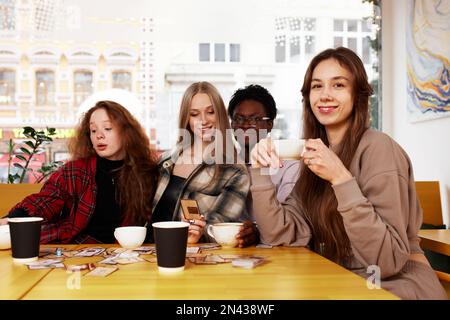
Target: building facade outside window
{"x": 355, "y": 35}
{"x": 222, "y": 52}
{"x": 121, "y": 80}
{"x": 82, "y": 86}
{"x": 203, "y": 52}
{"x": 7, "y": 87}
{"x": 235, "y": 52}
{"x": 7, "y": 15}
{"x": 45, "y": 87}
{"x": 294, "y": 39}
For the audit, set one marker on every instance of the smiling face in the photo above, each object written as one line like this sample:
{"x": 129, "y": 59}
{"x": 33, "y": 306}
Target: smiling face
{"x": 105, "y": 136}
{"x": 202, "y": 117}
{"x": 331, "y": 96}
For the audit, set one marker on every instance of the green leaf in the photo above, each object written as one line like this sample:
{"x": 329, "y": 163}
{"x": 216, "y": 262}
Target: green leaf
{"x": 28, "y": 130}
{"x": 30, "y": 144}
{"x": 18, "y": 165}
{"x": 25, "y": 150}
{"x": 21, "y": 157}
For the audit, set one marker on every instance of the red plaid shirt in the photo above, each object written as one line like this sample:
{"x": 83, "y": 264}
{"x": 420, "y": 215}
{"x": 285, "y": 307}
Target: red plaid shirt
{"x": 66, "y": 202}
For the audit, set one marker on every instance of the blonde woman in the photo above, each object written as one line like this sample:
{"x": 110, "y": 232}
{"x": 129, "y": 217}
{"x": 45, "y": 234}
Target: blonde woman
{"x": 203, "y": 166}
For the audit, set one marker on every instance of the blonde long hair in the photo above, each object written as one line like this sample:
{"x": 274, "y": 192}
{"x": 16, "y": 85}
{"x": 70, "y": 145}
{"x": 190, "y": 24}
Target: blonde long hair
{"x": 222, "y": 121}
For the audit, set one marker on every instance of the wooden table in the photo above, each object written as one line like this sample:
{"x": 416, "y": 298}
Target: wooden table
{"x": 437, "y": 240}
{"x": 17, "y": 280}
{"x": 291, "y": 273}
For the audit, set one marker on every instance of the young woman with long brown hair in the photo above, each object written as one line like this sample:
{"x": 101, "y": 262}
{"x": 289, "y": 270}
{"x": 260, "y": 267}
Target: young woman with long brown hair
{"x": 355, "y": 200}
{"x": 109, "y": 182}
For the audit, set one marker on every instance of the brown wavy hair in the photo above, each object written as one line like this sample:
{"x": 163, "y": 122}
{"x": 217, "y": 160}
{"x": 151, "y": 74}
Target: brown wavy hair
{"x": 317, "y": 197}
{"x": 138, "y": 177}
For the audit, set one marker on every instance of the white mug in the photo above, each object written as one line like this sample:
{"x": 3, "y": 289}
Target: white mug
{"x": 289, "y": 149}
{"x": 130, "y": 237}
{"x": 5, "y": 237}
{"x": 225, "y": 233}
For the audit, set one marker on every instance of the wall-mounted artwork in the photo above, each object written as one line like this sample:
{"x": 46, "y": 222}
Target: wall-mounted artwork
{"x": 428, "y": 59}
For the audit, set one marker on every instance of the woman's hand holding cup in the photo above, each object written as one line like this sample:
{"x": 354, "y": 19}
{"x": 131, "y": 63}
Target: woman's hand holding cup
{"x": 263, "y": 155}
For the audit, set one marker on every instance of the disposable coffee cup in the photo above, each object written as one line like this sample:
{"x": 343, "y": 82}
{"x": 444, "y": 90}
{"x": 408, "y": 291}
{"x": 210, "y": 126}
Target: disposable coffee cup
{"x": 289, "y": 149}
{"x": 171, "y": 243}
{"x": 25, "y": 237}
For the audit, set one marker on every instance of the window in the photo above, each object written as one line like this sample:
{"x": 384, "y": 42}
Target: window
{"x": 45, "y": 87}
{"x": 121, "y": 80}
{"x": 355, "y": 35}
{"x": 7, "y": 87}
{"x": 219, "y": 52}
{"x": 235, "y": 52}
{"x": 7, "y": 15}
{"x": 44, "y": 15}
{"x": 222, "y": 52}
{"x": 82, "y": 86}
{"x": 203, "y": 52}
{"x": 294, "y": 39}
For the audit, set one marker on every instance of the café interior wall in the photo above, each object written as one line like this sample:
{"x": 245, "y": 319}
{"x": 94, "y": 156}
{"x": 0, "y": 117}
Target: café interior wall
{"x": 426, "y": 142}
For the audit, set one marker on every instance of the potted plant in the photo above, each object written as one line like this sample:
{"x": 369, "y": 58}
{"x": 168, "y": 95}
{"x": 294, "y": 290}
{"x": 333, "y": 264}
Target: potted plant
{"x": 29, "y": 148}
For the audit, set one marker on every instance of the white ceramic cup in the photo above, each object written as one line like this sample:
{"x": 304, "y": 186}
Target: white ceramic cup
{"x": 5, "y": 237}
{"x": 289, "y": 149}
{"x": 225, "y": 233}
{"x": 130, "y": 237}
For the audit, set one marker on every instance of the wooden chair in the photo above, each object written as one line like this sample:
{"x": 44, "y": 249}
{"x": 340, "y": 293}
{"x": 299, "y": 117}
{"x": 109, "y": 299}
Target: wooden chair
{"x": 430, "y": 200}
{"x": 11, "y": 194}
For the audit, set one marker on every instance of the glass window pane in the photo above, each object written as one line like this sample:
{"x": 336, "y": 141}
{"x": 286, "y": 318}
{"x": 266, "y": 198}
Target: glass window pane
{"x": 366, "y": 25}
{"x": 7, "y": 15}
{"x": 351, "y": 44}
{"x": 338, "y": 42}
{"x": 310, "y": 45}
{"x": 338, "y": 25}
{"x": 7, "y": 87}
{"x": 295, "y": 49}
{"x": 280, "y": 23}
{"x": 203, "y": 52}
{"x": 219, "y": 52}
{"x": 366, "y": 50}
{"x": 280, "y": 49}
{"x": 310, "y": 24}
{"x": 352, "y": 25}
{"x": 82, "y": 86}
{"x": 45, "y": 88}
{"x": 121, "y": 80}
{"x": 294, "y": 24}
{"x": 235, "y": 52}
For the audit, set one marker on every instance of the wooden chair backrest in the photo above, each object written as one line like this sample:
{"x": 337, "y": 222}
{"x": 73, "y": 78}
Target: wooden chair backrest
{"x": 11, "y": 194}
{"x": 430, "y": 199}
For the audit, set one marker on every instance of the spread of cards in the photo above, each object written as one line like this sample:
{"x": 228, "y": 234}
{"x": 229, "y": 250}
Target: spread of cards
{"x": 51, "y": 258}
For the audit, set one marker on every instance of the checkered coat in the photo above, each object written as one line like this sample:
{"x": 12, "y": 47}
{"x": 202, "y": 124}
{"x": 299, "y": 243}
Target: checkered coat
{"x": 221, "y": 200}
{"x": 66, "y": 202}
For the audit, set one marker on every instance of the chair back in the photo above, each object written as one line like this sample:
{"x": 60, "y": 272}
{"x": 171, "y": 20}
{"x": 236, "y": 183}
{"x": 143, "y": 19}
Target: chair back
{"x": 11, "y": 194}
{"x": 430, "y": 200}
